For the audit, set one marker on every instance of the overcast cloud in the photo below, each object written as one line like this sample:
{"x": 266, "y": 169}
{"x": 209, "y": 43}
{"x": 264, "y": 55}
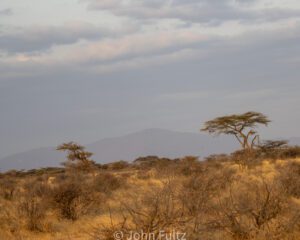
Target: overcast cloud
{"x": 86, "y": 69}
{"x": 6, "y": 12}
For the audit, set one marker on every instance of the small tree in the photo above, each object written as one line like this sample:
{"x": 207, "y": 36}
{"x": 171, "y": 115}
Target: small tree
{"x": 273, "y": 145}
{"x": 76, "y": 156}
{"x": 241, "y": 126}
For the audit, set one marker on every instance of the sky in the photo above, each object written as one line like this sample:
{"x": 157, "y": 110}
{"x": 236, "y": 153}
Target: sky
{"x": 83, "y": 70}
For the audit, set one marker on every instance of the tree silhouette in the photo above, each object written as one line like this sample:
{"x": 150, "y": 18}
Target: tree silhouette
{"x": 76, "y": 156}
{"x": 271, "y": 145}
{"x": 241, "y": 126}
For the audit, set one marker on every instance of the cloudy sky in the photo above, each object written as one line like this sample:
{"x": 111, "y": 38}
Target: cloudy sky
{"x": 87, "y": 69}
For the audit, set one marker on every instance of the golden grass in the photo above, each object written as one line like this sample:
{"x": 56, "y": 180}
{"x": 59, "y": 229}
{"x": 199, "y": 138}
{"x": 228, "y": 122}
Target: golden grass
{"x": 56, "y": 228}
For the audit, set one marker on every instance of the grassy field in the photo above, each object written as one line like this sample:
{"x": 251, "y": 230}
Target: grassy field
{"x": 222, "y": 197}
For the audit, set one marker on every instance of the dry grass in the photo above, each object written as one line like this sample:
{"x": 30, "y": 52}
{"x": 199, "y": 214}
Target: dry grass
{"x": 207, "y": 200}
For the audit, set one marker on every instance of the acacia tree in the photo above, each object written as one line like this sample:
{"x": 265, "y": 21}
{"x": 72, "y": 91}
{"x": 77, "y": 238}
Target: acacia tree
{"x": 76, "y": 156}
{"x": 273, "y": 145}
{"x": 241, "y": 126}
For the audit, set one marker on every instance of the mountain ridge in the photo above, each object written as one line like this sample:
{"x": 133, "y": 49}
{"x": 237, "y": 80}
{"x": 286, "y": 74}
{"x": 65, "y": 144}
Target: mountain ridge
{"x": 153, "y": 141}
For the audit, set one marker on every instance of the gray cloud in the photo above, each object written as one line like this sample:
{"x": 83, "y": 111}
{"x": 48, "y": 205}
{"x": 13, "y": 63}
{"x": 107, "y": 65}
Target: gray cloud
{"x": 187, "y": 10}
{"x": 63, "y": 94}
{"x": 6, "y": 12}
{"x": 201, "y": 11}
{"x": 40, "y": 38}
{"x": 139, "y": 51}
{"x": 246, "y": 73}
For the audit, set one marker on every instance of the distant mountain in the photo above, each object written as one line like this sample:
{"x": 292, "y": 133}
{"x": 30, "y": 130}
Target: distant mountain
{"x": 163, "y": 143}
{"x": 294, "y": 141}
{"x": 36, "y": 158}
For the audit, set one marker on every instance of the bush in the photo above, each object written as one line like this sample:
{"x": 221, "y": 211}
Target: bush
{"x": 107, "y": 183}
{"x": 290, "y": 152}
{"x": 33, "y": 205}
{"x": 154, "y": 209}
{"x": 189, "y": 165}
{"x": 33, "y": 211}
{"x": 116, "y": 165}
{"x": 72, "y": 200}
{"x": 39, "y": 189}
{"x": 251, "y": 210}
{"x": 283, "y": 152}
{"x": 150, "y": 162}
{"x": 8, "y": 188}
{"x": 218, "y": 157}
{"x": 290, "y": 178}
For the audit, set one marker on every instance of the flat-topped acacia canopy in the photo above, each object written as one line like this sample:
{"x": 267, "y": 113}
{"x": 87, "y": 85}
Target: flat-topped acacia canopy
{"x": 240, "y": 125}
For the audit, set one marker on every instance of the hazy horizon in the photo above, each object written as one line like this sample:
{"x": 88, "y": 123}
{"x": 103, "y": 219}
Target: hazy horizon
{"x": 84, "y": 70}
{"x": 132, "y": 133}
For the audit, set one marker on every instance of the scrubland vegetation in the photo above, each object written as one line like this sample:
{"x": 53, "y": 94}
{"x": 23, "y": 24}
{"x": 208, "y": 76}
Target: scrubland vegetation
{"x": 237, "y": 196}
{"x": 250, "y": 194}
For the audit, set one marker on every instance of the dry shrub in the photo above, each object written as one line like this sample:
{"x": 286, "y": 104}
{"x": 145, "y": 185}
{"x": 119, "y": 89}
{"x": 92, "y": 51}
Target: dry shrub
{"x": 286, "y": 152}
{"x": 290, "y": 178}
{"x": 218, "y": 158}
{"x": 207, "y": 200}
{"x": 256, "y": 156}
{"x": 39, "y": 189}
{"x": 26, "y": 210}
{"x": 162, "y": 167}
{"x": 73, "y": 195}
{"x": 33, "y": 205}
{"x": 290, "y": 152}
{"x": 8, "y": 188}
{"x": 107, "y": 183}
{"x": 189, "y": 165}
{"x": 252, "y": 210}
{"x": 120, "y": 165}
{"x": 72, "y": 200}
{"x": 198, "y": 193}
{"x": 149, "y": 210}
{"x": 202, "y": 187}
{"x": 145, "y": 162}
{"x": 156, "y": 209}
{"x": 144, "y": 174}
{"x": 153, "y": 162}
{"x": 33, "y": 212}
{"x": 62, "y": 177}
{"x": 107, "y": 231}
{"x": 245, "y": 159}
{"x": 10, "y": 224}
{"x": 80, "y": 166}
